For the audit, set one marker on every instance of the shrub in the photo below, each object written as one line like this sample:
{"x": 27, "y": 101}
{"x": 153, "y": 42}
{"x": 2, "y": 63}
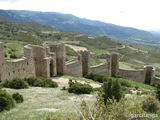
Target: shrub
{"x": 125, "y": 90}
{"x": 125, "y": 83}
{"x": 80, "y": 88}
{"x": 121, "y": 110}
{"x": 13, "y": 55}
{"x": 116, "y": 90}
{"x": 96, "y": 77}
{"x": 41, "y": 82}
{"x": 30, "y": 80}
{"x": 17, "y": 97}
{"x": 107, "y": 90}
{"x": 158, "y": 91}
{"x": 150, "y": 104}
{"x": 112, "y": 89}
{"x": 15, "y": 83}
{"x": 6, "y": 101}
{"x": 64, "y": 88}
{"x": 136, "y": 87}
{"x": 103, "y": 78}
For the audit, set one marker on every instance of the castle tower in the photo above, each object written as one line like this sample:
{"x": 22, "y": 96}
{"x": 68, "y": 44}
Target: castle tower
{"x": 60, "y": 52}
{"x": 149, "y": 74}
{"x": 113, "y": 64}
{"x": 85, "y": 56}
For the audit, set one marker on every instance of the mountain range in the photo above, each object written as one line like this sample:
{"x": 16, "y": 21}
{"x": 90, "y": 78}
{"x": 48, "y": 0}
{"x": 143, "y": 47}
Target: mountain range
{"x": 68, "y": 22}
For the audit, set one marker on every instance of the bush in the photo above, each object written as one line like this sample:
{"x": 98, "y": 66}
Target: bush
{"x": 13, "y": 55}
{"x": 64, "y": 88}
{"x": 6, "y": 101}
{"x": 158, "y": 91}
{"x": 112, "y": 89}
{"x": 17, "y": 97}
{"x": 30, "y": 80}
{"x": 116, "y": 90}
{"x": 121, "y": 110}
{"x": 15, "y": 83}
{"x": 41, "y": 82}
{"x": 150, "y": 104}
{"x": 96, "y": 77}
{"x": 103, "y": 78}
{"x": 79, "y": 88}
{"x": 124, "y": 83}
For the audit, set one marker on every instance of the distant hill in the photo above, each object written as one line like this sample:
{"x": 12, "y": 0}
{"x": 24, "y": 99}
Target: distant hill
{"x": 68, "y": 22}
{"x": 22, "y": 31}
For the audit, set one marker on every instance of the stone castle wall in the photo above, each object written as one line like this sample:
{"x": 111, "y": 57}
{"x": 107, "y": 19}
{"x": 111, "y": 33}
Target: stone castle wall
{"x": 74, "y": 67}
{"x": 102, "y": 69}
{"x": 35, "y": 63}
{"x": 50, "y": 59}
{"x": 59, "y": 50}
{"x": 136, "y": 75}
{"x": 18, "y": 68}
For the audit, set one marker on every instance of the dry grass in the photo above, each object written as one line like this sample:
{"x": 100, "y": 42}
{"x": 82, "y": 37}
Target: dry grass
{"x": 41, "y": 103}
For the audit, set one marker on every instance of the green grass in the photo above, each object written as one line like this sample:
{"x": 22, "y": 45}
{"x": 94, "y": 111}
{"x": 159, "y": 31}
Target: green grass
{"x": 14, "y": 48}
{"x": 139, "y": 85}
{"x": 99, "y": 51}
{"x": 36, "y": 98}
{"x": 95, "y": 61}
{"x": 79, "y": 79}
{"x": 67, "y": 104}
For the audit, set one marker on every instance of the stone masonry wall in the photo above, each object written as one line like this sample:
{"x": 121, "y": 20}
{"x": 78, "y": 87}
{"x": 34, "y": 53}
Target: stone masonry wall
{"x": 85, "y": 62}
{"x": 136, "y": 75}
{"x": 101, "y": 69}
{"x": 59, "y": 50}
{"x": 74, "y": 67}
{"x": 18, "y": 68}
{"x": 49, "y": 60}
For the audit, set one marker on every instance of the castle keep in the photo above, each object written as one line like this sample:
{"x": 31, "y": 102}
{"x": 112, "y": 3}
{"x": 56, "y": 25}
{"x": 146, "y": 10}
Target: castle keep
{"x": 49, "y": 60}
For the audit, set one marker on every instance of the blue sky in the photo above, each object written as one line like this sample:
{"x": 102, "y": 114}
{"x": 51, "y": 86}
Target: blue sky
{"x": 142, "y": 14}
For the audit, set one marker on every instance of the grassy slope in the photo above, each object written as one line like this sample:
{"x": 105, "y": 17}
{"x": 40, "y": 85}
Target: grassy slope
{"x": 36, "y": 98}
{"x": 39, "y": 98}
{"x": 14, "y": 48}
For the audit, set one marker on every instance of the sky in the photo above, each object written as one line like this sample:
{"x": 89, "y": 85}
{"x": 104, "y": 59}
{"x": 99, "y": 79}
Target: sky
{"x": 141, "y": 14}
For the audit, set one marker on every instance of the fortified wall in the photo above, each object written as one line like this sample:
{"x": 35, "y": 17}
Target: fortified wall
{"x": 50, "y": 59}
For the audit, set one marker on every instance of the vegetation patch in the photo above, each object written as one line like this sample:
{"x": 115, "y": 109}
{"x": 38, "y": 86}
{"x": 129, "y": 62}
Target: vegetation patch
{"x": 123, "y": 82}
{"x": 6, "y": 101}
{"x": 41, "y": 82}
{"x": 17, "y": 97}
{"x": 151, "y": 104}
{"x": 15, "y": 83}
{"x": 79, "y": 88}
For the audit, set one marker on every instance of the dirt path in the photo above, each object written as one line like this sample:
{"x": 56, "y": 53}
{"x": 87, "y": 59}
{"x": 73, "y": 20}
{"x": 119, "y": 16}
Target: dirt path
{"x": 66, "y": 80}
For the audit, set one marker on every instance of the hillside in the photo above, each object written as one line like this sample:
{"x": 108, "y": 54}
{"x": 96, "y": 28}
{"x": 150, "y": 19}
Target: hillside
{"x": 67, "y": 22}
{"x": 132, "y": 56}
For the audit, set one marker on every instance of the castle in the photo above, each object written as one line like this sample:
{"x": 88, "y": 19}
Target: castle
{"x": 49, "y": 60}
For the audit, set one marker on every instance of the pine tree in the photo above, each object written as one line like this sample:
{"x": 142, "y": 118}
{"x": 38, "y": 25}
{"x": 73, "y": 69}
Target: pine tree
{"x": 158, "y": 91}
{"x": 116, "y": 90}
{"x": 107, "y": 90}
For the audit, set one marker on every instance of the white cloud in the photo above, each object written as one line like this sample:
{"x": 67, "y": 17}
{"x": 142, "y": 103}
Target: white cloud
{"x": 143, "y": 14}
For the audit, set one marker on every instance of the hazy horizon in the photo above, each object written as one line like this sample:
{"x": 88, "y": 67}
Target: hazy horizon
{"x": 140, "y": 14}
